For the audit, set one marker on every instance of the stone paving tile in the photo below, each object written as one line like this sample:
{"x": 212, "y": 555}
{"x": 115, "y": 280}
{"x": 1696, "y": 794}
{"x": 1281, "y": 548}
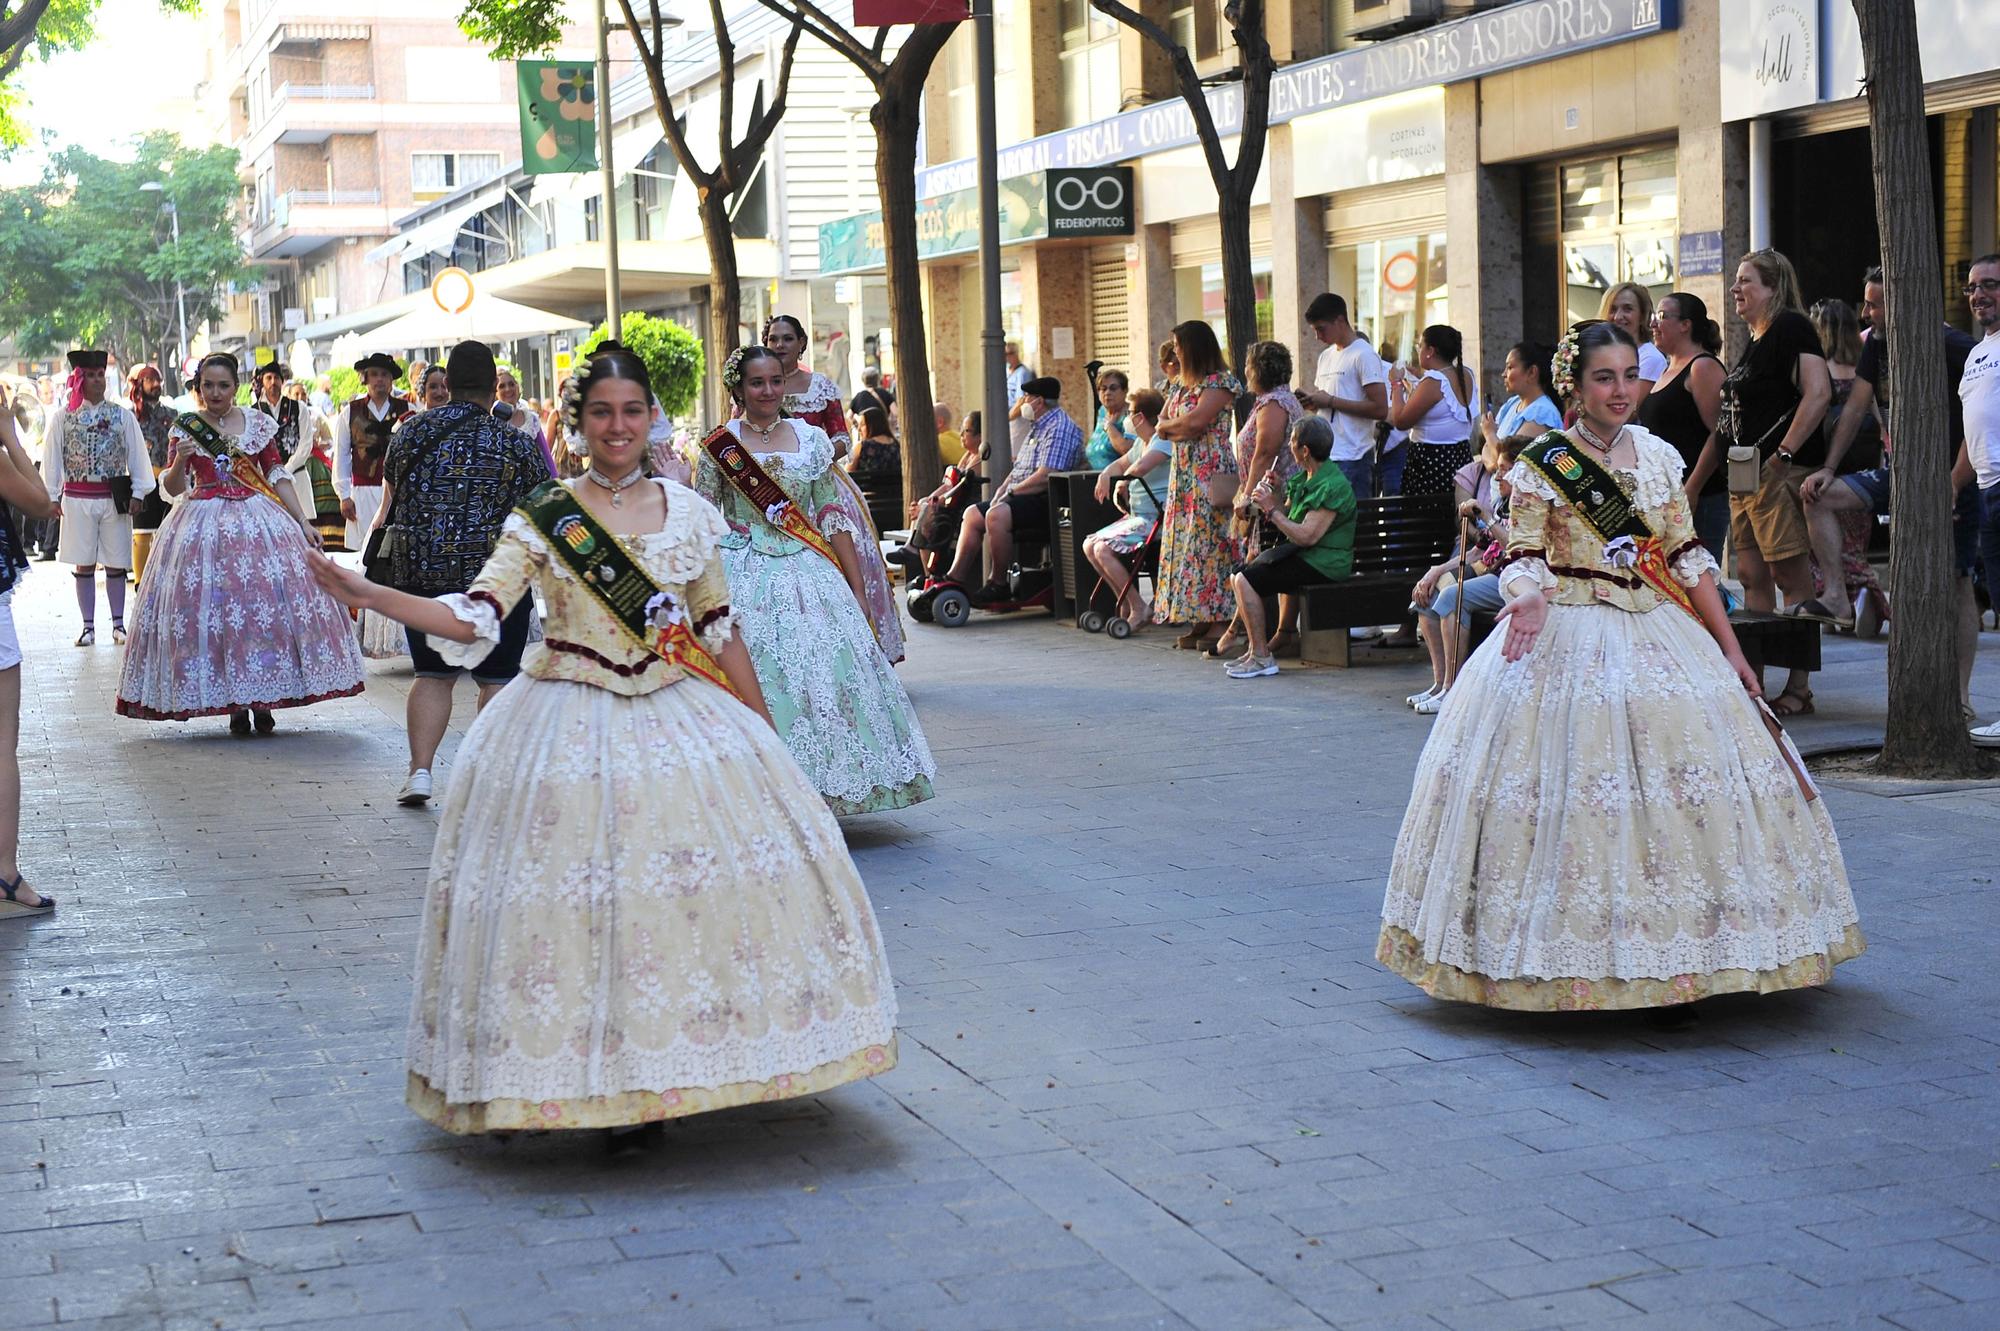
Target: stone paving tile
{"x": 1151, "y": 1076}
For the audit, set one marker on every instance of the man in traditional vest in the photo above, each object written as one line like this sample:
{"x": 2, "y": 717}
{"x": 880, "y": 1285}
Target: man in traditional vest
{"x": 360, "y": 442}
{"x": 155, "y": 419}
{"x": 95, "y": 463}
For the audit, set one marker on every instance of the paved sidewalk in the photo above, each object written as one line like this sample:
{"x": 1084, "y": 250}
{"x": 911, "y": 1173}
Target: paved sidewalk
{"x": 1151, "y": 1077}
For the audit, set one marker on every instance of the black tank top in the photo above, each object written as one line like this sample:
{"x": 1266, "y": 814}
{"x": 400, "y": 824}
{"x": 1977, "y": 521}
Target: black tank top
{"x": 1671, "y": 412}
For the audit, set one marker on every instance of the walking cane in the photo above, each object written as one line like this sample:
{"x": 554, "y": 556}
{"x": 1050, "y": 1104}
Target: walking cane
{"x": 1464, "y": 608}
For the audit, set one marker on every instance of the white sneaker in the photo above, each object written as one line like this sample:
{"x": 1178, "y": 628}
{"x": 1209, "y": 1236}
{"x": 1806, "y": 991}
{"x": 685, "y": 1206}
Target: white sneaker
{"x": 416, "y": 788}
{"x": 1987, "y": 736}
{"x": 1252, "y": 667}
{"x": 1431, "y": 706}
{"x": 1416, "y": 699}
{"x": 1363, "y": 635}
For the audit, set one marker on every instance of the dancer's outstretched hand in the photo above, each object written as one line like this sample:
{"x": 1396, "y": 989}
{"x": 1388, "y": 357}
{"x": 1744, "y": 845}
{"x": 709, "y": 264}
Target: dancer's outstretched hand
{"x": 1523, "y": 618}
{"x": 343, "y": 585}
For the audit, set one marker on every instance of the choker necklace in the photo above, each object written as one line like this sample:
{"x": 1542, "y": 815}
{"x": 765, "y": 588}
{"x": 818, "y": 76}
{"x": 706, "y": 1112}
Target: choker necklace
{"x": 617, "y": 487}
{"x": 766, "y": 430}
{"x": 1589, "y": 436}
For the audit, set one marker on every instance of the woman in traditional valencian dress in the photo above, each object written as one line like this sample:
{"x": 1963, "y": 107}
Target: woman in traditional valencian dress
{"x": 815, "y": 399}
{"x": 790, "y": 553}
{"x": 1606, "y": 815}
{"x": 638, "y": 908}
{"x": 229, "y": 620}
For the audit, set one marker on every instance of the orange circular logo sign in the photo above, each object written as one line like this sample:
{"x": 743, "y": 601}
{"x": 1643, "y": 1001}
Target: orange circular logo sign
{"x": 452, "y": 290}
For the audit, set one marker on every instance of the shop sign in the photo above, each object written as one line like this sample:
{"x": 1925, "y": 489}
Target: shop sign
{"x": 1468, "y": 48}
{"x": 1701, "y": 254}
{"x": 946, "y": 225}
{"x": 1097, "y": 202}
{"x": 1770, "y": 58}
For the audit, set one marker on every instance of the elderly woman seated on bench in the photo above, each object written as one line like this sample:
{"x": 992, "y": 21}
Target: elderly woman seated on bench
{"x": 1315, "y": 516}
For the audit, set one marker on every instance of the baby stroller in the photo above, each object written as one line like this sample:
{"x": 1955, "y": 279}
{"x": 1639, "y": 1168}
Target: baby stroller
{"x": 1144, "y": 561}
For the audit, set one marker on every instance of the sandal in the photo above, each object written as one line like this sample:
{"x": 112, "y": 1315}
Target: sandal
{"x": 11, "y": 904}
{"x": 1801, "y": 703}
{"x": 1284, "y": 643}
{"x": 1227, "y": 647}
{"x": 1193, "y": 639}
{"x": 1819, "y": 610}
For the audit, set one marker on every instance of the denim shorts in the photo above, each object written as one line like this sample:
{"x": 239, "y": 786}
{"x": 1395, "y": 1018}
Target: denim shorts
{"x": 501, "y": 664}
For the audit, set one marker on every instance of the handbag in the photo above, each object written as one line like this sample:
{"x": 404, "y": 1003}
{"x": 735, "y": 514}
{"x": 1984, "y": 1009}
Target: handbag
{"x": 1744, "y": 470}
{"x": 379, "y": 556}
{"x": 121, "y": 493}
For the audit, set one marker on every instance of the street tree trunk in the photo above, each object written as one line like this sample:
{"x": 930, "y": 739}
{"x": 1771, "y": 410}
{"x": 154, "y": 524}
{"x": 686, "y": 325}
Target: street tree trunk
{"x": 725, "y": 289}
{"x": 1925, "y": 733}
{"x": 897, "y": 119}
{"x": 1233, "y": 182}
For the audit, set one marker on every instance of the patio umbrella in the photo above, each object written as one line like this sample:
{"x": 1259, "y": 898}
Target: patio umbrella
{"x": 490, "y": 319}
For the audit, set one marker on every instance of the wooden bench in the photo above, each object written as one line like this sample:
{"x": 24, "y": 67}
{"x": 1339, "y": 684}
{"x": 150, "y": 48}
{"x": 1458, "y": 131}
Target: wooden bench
{"x": 1396, "y": 541}
{"x": 1779, "y": 640}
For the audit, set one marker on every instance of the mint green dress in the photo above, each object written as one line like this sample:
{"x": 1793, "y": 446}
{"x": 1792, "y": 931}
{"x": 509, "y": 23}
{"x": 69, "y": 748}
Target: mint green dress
{"x": 833, "y": 695}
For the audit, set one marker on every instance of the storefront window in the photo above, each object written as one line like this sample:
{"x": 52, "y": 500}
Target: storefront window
{"x": 1199, "y": 294}
{"x": 1397, "y": 287}
{"x": 1618, "y": 225}
{"x": 1089, "y": 64}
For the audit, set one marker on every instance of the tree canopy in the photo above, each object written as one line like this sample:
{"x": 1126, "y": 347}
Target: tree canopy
{"x": 87, "y": 255}
{"x": 672, "y": 356}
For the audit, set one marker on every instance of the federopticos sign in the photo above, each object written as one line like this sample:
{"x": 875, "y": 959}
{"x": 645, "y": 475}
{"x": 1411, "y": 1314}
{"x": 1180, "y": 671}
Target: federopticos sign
{"x": 1095, "y": 202}
{"x": 1468, "y": 48}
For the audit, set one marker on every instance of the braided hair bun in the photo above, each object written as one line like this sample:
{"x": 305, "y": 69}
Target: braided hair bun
{"x": 611, "y": 360}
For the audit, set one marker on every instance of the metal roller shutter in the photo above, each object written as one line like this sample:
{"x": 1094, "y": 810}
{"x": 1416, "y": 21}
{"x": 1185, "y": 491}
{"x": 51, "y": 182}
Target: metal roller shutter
{"x": 1110, "y": 304}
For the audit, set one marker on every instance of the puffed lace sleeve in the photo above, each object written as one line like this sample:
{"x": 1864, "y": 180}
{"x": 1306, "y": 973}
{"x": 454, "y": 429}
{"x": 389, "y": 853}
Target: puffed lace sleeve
{"x": 1528, "y": 515}
{"x": 829, "y": 513}
{"x": 709, "y": 592}
{"x": 494, "y": 593}
{"x": 707, "y": 477}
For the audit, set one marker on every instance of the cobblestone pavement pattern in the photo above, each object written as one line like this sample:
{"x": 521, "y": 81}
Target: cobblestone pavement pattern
{"x": 1151, "y": 1077}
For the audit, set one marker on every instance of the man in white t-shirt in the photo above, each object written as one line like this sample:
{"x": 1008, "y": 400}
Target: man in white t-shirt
{"x": 1349, "y": 388}
{"x": 1979, "y": 397}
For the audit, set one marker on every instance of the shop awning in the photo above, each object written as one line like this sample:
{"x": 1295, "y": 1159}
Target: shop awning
{"x": 436, "y": 235}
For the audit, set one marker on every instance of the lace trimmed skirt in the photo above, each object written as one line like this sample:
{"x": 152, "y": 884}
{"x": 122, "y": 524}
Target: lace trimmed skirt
{"x": 1607, "y": 823}
{"x": 638, "y": 909}
{"x": 832, "y": 693}
{"x": 229, "y": 617}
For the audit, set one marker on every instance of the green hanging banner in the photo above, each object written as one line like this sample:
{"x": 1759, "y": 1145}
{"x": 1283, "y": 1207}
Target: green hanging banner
{"x": 558, "y": 115}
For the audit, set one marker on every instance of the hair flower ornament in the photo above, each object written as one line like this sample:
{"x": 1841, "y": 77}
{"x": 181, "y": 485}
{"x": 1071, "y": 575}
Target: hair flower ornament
{"x": 663, "y": 611}
{"x": 732, "y": 369}
{"x": 1622, "y": 553}
{"x": 1562, "y": 366}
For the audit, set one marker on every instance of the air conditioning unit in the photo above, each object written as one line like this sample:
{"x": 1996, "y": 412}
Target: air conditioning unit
{"x": 1375, "y": 20}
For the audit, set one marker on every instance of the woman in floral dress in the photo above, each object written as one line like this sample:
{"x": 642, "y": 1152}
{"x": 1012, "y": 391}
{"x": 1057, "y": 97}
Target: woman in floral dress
{"x": 638, "y": 908}
{"x": 1197, "y": 552}
{"x": 1606, "y": 815}
{"x": 833, "y": 694}
{"x": 229, "y": 621}
{"x": 815, "y": 399}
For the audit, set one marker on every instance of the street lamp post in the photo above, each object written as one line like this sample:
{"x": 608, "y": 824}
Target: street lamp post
{"x": 607, "y": 206}
{"x": 180, "y": 294}
{"x": 992, "y": 338}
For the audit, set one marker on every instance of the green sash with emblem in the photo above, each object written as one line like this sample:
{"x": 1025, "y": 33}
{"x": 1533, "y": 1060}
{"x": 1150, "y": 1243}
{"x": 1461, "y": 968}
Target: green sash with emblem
{"x": 1628, "y": 541}
{"x": 649, "y": 614}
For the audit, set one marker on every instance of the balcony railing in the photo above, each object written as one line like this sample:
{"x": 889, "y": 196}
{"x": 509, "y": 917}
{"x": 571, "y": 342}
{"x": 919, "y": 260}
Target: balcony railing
{"x": 324, "y": 92}
{"x": 281, "y": 207}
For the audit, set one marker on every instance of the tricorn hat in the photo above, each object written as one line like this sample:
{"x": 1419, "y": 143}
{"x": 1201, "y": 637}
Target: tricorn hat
{"x": 380, "y": 360}
{"x": 83, "y": 358}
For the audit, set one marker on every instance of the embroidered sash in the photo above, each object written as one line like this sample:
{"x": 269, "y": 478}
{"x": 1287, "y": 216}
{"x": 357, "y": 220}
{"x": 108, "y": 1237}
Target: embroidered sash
{"x": 741, "y": 470}
{"x": 1592, "y": 492}
{"x": 239, "y": 465}
{"x": 650, "y": 616}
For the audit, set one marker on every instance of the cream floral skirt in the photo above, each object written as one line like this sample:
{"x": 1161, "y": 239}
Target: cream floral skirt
{"x": 1608, "y": 824}
{"x": 638, "y": 908}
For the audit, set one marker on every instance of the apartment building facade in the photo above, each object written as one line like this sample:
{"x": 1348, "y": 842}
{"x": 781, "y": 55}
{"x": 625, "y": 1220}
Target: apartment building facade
{"x": 345, "y": 118}
{"x": 1495, "y": 167}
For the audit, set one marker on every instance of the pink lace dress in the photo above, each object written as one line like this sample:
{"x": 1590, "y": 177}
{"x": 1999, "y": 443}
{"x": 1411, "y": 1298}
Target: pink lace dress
{"x": 228, "y": 616}
{"x": 819, "y": 405}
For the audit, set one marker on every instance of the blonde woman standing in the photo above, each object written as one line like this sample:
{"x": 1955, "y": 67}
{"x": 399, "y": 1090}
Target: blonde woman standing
{"x": 1630, "y": 306}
